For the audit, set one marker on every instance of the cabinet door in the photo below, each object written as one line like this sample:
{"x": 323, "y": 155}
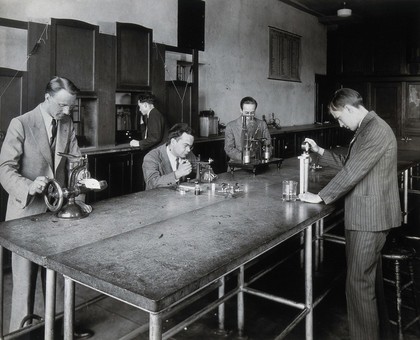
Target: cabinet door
{"x": 214, "y": 150}
{"x": 285, "y": 145}
{"x": 137, "y": 178}
{"x": 12, "y": 104}
{"x": 134, "y": 48}
{"x": 73, "y": 51}
{"x": 116, "y": 170}
{"x": 386, "y": 102}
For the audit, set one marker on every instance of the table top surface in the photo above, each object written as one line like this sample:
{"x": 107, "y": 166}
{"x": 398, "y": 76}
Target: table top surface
{"x": 156, "y": 247}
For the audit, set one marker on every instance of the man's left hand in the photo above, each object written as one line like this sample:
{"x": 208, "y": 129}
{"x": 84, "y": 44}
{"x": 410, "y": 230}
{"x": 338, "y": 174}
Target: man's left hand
{"x": 310, "y": 198}
{"x": 134, "y": 143}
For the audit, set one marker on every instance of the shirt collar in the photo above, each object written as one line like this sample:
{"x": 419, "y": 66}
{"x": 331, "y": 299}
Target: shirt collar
{"x": 171, "y": 157}
{"x": 47, "y": 120}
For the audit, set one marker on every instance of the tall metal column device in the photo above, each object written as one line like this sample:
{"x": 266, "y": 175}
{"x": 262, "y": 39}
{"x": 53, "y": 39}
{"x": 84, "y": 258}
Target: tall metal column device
{"x": 304, "y": 168}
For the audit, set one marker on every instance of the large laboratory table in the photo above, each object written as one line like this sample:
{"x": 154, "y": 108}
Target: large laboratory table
{"x": 157, "y": 249}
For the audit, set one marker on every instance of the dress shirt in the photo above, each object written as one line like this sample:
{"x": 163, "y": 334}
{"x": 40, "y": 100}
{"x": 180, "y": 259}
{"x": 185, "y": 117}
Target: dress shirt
{"x": 172, "y": 158}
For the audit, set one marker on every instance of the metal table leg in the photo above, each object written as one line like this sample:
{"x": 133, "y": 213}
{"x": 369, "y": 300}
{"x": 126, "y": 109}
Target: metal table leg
{"x": 1, "y": 292}
{"x": 308, "y": 283}
{"x": 221, "y": 308}
{"x": 405, "y": 199}
{"x": 155, "y": 326}
{"x": 50, "y": 305}
{"x": 241, "y": 305}
{"x": 68, "y": 308}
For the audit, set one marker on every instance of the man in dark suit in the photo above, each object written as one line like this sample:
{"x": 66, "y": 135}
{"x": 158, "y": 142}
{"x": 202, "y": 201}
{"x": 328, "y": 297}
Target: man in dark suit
{"x": 154, "y": 129}
{"x": 28, "y": 159}
{"x": 368, "y": 180}
{"x": 165, "y": 165}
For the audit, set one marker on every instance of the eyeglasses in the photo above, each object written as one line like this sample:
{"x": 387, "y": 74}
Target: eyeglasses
{"x": 188, "y": 146}
{"x": 63, "y": 106}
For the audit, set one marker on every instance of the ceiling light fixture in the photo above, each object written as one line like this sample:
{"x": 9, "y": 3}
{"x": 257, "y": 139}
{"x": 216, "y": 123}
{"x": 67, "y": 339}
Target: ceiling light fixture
{"x": 344, "y": 12}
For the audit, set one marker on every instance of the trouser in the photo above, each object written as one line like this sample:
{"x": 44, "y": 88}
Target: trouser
{"x": 24, "y": 276}
{"x": 366, "y": 307}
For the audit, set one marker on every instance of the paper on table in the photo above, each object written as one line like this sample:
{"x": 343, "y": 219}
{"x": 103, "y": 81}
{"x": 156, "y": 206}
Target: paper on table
{"x": 90, "y": 183}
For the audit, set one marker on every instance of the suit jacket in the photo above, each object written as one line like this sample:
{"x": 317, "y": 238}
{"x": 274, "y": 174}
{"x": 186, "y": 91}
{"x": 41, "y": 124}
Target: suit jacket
{"x": 368, "y": 177}
{"x": 26, "y": 154}
{"x": 157, "y": 169}
{"x": 157, "y": 131}
{"x": 233, "y": 133}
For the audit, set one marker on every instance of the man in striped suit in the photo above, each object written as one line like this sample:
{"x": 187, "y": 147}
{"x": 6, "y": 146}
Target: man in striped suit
{"x": 368, "y": 180}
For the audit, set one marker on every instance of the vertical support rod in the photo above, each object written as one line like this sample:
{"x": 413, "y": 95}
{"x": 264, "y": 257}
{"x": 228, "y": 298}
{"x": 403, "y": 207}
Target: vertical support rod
{"x": 405, "y": 219}
{"x": 155, "y": 326}
{"x": 317, "y": 241}
{"x": 221, "y": 308}
{"x": 68, "y": 308}
{"x": 50, "y": 305}
{"x": 321, "y": 241}
{"x": 241, "y": 304}
{"x": 1, "y": 291}
{"x": 308, "y": 283}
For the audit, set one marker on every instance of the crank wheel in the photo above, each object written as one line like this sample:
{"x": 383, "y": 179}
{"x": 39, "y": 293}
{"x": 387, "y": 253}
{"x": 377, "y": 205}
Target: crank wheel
{"x": 53, "y": 196}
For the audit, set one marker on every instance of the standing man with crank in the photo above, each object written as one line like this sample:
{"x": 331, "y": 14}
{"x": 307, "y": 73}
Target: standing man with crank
{"x": 368, "y": 180}
{"x": 28, "y": 159}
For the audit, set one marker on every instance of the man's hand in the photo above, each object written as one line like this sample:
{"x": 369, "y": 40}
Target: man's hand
{"x": 85, "y": 207}
{"x": 38, "y": 185}
{"x": 184, "y": 169}
{"x": 314, "y": 147}
{"x": 309, "y": 197}
{"x": 134, "y": 143}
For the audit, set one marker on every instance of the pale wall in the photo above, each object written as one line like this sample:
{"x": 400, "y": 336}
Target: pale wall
{"x": 235, "y": 61}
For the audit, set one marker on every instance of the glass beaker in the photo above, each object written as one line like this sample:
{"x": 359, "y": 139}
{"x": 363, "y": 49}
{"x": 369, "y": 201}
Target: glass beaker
{"x": 289, "y": 189}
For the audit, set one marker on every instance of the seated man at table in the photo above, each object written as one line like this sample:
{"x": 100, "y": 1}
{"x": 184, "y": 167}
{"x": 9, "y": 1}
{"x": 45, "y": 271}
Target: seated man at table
{"x": 245, "y": 129}
{"x": 165, "y": 165}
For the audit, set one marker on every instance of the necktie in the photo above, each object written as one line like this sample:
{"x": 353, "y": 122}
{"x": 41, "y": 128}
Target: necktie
{"x": 177, "y": 163}
{"x": 145, "y": 126}
{"x": 53, "y": 131}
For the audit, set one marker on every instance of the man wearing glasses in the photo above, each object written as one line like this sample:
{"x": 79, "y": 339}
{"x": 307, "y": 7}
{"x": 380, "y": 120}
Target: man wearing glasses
{"x": 368, "y": 181}
{"x": 167, "y": 164}
{"x": 28, "y": 159}
{"x": 245, "y": 130}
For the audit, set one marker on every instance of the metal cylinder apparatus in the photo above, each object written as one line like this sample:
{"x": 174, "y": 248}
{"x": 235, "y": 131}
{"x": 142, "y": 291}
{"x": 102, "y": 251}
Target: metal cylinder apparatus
{"x": 304, "y": 168}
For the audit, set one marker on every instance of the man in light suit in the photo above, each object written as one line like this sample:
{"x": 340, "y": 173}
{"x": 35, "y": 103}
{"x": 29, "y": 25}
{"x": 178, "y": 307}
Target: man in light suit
{"x": 28, "y": 159}
{"x": 155, "y": 129}
{"x": 167, "y": 164}
{"x": 368, "y": 180}
{"x": 253, "y": 128}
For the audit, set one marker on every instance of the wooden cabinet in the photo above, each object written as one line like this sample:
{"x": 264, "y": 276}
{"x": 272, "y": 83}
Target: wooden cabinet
{"x": 134, "y": 50}
{"x": 368, "y": 49}
{"x": 73, "y": 52}
{"x": 386, "y": 102}
{"x": 213, "y": 149}
{"x": 121, "y": 170}
{"x": 284, "y": 145}
{"x": 70, "y": 51}
{"x": 12, "y": 104}
{"x": 115, "y": 169}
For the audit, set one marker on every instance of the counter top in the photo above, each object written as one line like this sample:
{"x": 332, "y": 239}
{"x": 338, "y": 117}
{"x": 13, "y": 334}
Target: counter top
{"x": 283, "y": 130}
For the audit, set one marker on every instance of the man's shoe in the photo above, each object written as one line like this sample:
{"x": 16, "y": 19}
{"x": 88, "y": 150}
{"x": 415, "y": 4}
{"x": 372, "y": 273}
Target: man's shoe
{"x": 83, "y": 333}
